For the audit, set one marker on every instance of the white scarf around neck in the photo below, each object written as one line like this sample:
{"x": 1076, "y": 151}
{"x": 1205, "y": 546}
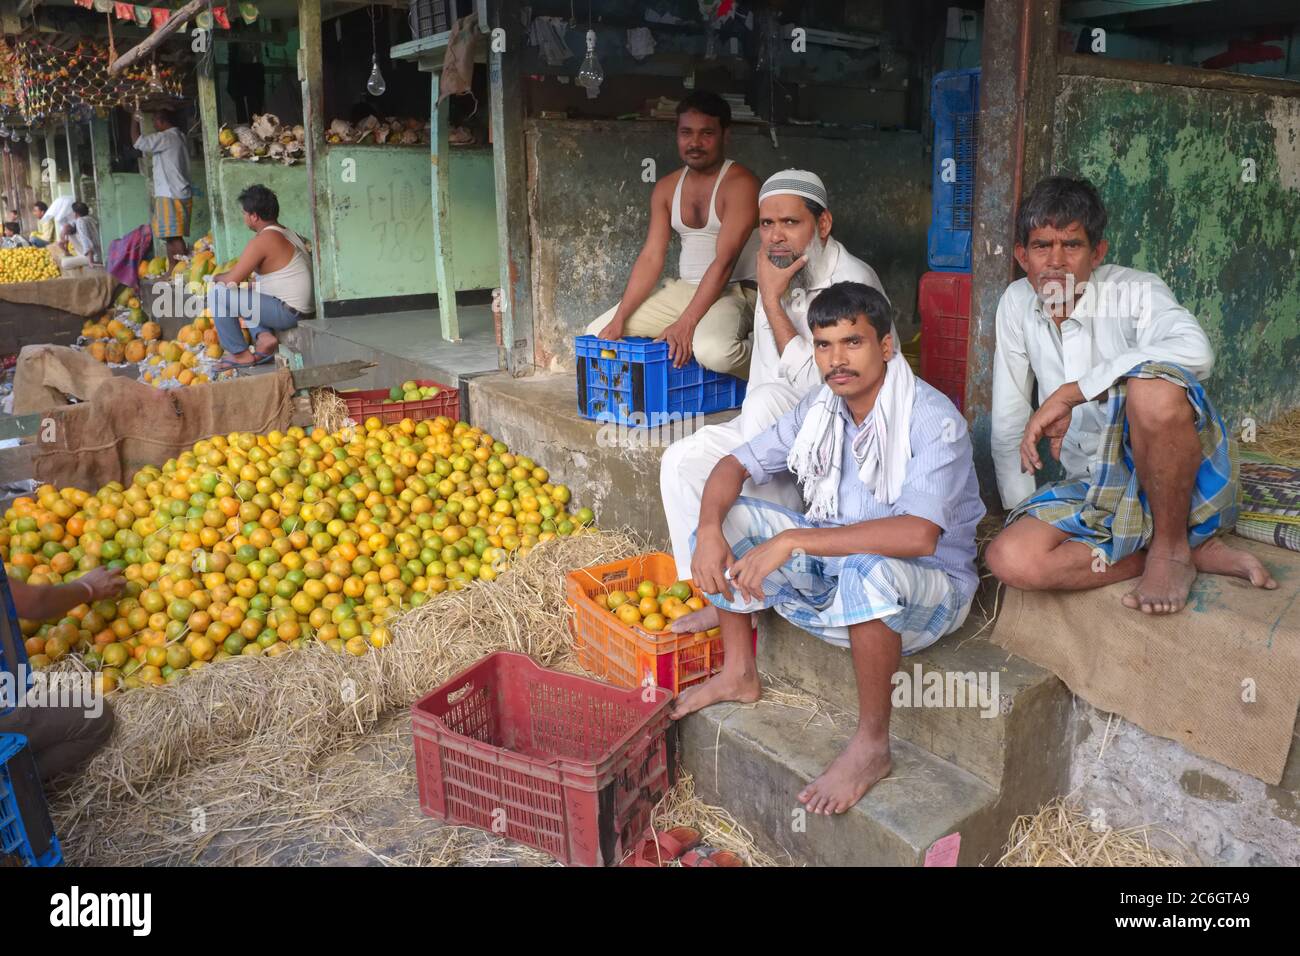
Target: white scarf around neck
{"x": 882, "y": 448}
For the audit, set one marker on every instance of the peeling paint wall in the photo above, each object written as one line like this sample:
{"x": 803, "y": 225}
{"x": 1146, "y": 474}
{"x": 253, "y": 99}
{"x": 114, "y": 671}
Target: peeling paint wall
{"x": 1172, "y": 166}
{"x": 588, "y": 207}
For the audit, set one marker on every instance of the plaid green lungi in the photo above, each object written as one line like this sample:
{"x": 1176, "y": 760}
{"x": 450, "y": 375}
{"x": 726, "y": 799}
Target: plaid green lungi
{"x": 1112, "y": 513}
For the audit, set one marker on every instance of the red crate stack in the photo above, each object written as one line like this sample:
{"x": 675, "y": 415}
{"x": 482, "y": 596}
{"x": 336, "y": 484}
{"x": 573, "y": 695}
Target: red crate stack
{"x": 945, "y": 331}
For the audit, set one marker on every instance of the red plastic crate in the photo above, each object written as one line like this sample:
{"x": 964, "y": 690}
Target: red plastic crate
{"x": 630, "y": 656}
{"x": 559, "y": 762}
{"x": 364, "y": 404}
{"x": 944, "y": 304}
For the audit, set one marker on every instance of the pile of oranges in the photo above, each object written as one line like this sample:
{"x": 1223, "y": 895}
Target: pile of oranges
{"x": 254, "y": 544}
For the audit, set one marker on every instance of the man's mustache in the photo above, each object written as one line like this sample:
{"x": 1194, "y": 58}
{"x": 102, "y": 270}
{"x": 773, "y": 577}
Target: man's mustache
{"x": 838, "y": 372}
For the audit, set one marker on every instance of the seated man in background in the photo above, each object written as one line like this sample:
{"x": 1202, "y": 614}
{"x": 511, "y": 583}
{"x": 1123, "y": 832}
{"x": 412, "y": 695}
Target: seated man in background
{"x": 282, "y": 291}
{"x": 1118, "y": 366}
{"x": 711, "y": 203}
{"x": 882, "y": 563}
{"x": 62, "y": 738}
{"x": 797, "y": 259}
{"x": 43, "y": 233}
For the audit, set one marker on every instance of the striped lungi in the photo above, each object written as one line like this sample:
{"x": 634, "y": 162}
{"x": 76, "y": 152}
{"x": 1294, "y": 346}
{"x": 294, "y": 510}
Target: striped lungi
{"x": 1111, "y": 514}
{"x": 824, "y": 596}
{"x": 171, "y": 217}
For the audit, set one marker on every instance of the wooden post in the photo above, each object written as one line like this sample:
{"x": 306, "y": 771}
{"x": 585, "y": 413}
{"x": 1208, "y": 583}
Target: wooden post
{"x": 1017, "y": 98}
{"x": 106, "y": 197}
{"x": 506, "y": 97}
{"x": 34, "y": 171}
{"x": 72, "y": 161}
{"x": 208, "y": 129}
{"x": 440, "y": 158}
{"x": 151, "y": 42}
{"x": 310, "y": 55}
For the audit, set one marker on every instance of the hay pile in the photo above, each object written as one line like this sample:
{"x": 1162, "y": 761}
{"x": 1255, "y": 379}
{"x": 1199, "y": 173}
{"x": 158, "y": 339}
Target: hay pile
{"x": 283, "y": 761}
{"x": 1279, "y": 440}
{"x": 1061, "y": 834}
{"x": 329, "y": 411}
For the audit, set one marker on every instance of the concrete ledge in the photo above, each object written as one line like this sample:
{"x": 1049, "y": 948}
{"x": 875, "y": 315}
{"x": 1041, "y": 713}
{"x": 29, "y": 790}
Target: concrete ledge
{"x": 1033, "y": 706}
{"x": 755, "y": 759}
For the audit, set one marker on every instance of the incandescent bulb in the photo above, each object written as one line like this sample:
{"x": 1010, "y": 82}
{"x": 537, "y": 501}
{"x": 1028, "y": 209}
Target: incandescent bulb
{"x": 375, "y": 85}
{"x": 590, "y": 75}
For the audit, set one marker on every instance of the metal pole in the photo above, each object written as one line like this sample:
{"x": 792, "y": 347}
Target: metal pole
{"x": 72, "y": 164}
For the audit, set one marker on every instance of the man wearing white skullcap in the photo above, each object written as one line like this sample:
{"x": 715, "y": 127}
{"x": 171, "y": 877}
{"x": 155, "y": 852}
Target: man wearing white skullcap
{"x": 797, "y": 259}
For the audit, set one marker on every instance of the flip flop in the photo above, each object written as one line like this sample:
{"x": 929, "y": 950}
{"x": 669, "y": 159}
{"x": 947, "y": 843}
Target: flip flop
{"x": 259, "y": 358}
{"x": 710, "y": 856}
{"x": 662, "y": 846}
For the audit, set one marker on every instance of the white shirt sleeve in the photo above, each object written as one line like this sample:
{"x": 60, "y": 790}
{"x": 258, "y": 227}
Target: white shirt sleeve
{"x": 797, "y": 365}
{"x": 1168, "y": 334}
{"x": 1013, "y": 389}
{"x": 148, "y": 142}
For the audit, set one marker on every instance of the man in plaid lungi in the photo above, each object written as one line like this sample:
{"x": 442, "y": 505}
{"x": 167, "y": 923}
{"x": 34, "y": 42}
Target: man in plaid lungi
{"x": 173, "y": 197}
{"x": 882, "y": 563}
{"x": 1150, "y": 486}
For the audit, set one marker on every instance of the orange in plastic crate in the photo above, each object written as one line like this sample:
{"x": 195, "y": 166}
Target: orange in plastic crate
{"x": 370, "y": 403}
{"x": 629, "y": 656}
{"x": 559, "y": 762}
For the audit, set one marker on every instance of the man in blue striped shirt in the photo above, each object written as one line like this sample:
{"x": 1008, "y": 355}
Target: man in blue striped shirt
{"x": 883, "y": 562}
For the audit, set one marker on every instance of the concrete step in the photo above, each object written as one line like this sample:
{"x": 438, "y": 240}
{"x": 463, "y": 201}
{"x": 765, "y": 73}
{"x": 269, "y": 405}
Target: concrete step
{"x": 755, "y": 759}
{"x": 1022, "y": 749}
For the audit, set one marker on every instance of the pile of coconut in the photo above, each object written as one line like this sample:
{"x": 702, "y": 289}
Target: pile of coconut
{"x": 264, "y": 138}
{"x": 392, "y": 130}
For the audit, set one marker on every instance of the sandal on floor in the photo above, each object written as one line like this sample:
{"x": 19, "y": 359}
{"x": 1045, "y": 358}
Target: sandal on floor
{"x": 710, "y": 856}
{"x": 662, "y": 846}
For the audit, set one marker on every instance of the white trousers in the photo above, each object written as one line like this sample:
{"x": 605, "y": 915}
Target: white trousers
{"x": 686, "y": 465}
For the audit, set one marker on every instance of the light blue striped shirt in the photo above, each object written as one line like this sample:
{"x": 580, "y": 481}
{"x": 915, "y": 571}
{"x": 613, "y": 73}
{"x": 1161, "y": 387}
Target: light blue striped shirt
{"x": 940, "y": 484}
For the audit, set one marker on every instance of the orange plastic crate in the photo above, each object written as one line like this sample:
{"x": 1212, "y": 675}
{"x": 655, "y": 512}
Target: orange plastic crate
{"x": 629, "y": 656}
{"x": 368, "y": 403}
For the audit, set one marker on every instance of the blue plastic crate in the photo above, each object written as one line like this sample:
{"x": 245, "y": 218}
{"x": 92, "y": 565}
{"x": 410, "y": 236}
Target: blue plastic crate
{"x": 954, "y": 106}
{"x": 13, "y": 653}
{"x": 25, "y": 828}
{"x": 638, "y": 386}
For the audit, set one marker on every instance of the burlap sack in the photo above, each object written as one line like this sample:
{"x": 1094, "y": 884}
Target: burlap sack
{"x": 87, "y": 294}
{"x": 47, "y": 376}
{"x": 127, "y": 425}
{"x": 1222, "y": 677}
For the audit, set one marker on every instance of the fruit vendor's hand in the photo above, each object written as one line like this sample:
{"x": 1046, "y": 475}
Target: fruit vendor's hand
{"x": 613, "y": 331}
{"x": 749, "y": 573}
{"x": 679, "y": 337}
{"x": 100, "y": 583}
{"x": 710, "y": 562}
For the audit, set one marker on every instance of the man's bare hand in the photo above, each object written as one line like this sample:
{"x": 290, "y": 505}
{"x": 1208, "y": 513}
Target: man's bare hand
{"x": 1051, "y": 420}
{"x": 749, "y": 573}
{"x": 102, "y": 583}
{"x": 679, "y": 337}
{"x": 773, "y": 281}
{"x": 710, "y": 562}
{"x": 613, "y": 331}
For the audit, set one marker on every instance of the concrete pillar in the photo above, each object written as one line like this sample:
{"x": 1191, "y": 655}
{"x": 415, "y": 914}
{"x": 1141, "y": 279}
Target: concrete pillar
{"x": 1017, "y": 94}
{"x": 209, "y": 127}
{"x": 310, "y": 56}
{"x": 440, "y": 159}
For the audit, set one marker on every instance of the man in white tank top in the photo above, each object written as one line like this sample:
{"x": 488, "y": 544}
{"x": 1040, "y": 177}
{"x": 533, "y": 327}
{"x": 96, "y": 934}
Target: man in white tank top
{"x": 281, "y": 293}
{"x": 712, "y": 204}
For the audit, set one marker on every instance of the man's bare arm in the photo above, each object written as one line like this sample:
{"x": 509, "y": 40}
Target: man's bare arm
{"x": 900, "y": 536}
{"x": 250, "y": 261}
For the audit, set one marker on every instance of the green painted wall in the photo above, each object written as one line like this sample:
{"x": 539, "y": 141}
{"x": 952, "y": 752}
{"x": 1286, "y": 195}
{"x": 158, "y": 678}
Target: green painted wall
{"x": 123, "y": 205}
{"x": 1169, "y": 162}
{"x": 289, "y": 183}
{"x": 381, "y": 240}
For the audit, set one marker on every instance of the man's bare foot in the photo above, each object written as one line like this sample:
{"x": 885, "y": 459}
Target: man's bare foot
{"x": 245, "y": 357}
{"x": 740, "y": 685}
{"x": 701, "y": 620}
{"x": 1218, "y": 557}
{"x": 864, "y": 762}
{"x": 265, "y": 343}
{"x": 1165, "y": 583}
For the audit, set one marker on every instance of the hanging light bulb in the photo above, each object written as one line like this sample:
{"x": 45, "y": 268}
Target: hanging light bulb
{"x": 590, "y": 75}
{"x": 375, "y": 86}
{"x": 155, "y": 85}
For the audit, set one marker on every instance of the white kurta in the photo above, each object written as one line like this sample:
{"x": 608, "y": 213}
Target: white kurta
{"x": 777, "y": 382}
